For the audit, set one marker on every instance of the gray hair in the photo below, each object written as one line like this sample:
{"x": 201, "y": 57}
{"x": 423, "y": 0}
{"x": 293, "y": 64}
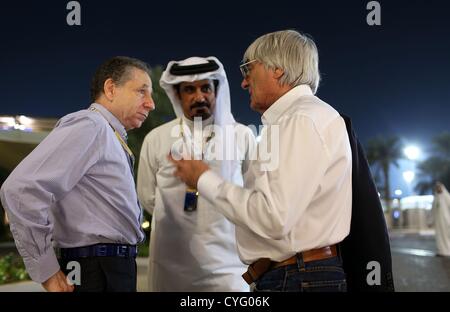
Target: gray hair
{"x": 293, "y": 52}
{"x": 119, "y": 69}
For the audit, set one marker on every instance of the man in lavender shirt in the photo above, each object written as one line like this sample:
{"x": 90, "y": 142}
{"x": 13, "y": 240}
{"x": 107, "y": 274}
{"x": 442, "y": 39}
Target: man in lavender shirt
{"x": 76, "y": 191}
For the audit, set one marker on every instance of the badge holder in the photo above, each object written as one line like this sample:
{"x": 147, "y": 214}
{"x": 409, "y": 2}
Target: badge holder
{"x": 190, "y": 200}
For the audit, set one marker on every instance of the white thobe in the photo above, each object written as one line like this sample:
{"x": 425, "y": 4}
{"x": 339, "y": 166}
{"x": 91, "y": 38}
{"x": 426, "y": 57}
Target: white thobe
{"x": 441, "y": 212}
{"x": 189, "y": 251}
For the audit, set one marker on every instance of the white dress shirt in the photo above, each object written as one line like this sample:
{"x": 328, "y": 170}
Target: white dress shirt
{"x": 302, "y": 202}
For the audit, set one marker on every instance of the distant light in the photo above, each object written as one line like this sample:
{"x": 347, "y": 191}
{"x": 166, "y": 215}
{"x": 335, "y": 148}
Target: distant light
{"x": 9, "y": 121}
{"x": 398, "y": 192}
{"x": 409, "y": 176}
{"x": 412, "y": 152}
{"x": 25, "y": 120}
{"x": 379, "y": 195}
{"x": 414, "y": 252}
{"x": 396, "y": 214}
{"x": 19, "y": 127}
{"x": 416, "y": 201}
{"x": 145, "y": 225}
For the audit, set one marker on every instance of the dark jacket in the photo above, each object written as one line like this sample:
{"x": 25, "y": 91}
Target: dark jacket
{"x": 368, "y": 239}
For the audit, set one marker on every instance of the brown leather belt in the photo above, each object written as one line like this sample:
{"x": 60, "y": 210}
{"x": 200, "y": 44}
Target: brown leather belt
{"x": 261, "y": 266}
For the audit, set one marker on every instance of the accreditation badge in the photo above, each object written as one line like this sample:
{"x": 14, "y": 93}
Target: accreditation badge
{"x": 190, "y": 200}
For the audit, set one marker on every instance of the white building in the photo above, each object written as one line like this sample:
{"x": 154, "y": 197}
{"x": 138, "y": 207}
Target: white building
{"x": 411, "y": 212}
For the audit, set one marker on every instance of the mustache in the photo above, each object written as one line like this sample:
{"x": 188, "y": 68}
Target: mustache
{"x": 200, "y": 105}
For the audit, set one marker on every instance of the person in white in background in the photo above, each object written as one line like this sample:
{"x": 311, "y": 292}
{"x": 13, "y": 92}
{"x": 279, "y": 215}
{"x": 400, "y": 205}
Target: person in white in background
{"x": 192, "y": 246}
{"x": 441, "y": 212}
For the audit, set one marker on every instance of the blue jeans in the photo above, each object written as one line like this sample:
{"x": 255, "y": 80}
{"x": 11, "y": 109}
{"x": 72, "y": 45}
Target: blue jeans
{"x": 316, "y": 276}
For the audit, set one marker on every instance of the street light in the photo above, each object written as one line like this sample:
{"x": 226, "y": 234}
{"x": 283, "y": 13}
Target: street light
{"x": 409, "y": 176}
{"x": 17, "y": 123}
{"x": 145, "y": 225}
{"x": 412, "y": 152}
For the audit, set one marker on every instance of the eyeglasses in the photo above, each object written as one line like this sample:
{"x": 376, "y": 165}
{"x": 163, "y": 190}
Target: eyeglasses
{"x": 245, "y": 69}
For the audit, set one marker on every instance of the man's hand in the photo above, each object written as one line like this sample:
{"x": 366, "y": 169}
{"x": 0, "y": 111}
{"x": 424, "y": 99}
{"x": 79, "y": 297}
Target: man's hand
{"x": 189, "y": 171}
{"x": 58, "y": 283}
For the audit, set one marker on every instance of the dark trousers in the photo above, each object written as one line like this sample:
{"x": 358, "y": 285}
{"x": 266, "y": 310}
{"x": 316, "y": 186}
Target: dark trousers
{"x": 104, "y": 274}
{"x": 316, "y": 276}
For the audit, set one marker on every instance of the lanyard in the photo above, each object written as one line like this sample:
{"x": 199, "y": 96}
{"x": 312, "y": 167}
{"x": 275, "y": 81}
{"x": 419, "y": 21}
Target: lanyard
{"x": 121, "y": 141}
{"x": 191, "y": 197}
{"x": 206, "y": 142}
{"x": 130, "y": 160}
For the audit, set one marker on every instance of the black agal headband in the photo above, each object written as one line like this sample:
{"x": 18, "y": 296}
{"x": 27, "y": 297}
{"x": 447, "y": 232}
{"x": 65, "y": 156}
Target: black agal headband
{"x": 182, "y": 70}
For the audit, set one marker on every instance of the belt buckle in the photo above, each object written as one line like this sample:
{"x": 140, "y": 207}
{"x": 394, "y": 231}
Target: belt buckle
{"x": 122, "y": 250}
{"x": 102, "y": 250}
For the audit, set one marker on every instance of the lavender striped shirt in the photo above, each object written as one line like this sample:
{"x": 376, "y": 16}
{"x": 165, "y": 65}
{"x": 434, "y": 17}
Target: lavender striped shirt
{"x": 75, "y": 189}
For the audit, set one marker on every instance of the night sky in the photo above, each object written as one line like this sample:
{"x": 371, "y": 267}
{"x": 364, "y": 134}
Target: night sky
{"x": 391, "y": 79}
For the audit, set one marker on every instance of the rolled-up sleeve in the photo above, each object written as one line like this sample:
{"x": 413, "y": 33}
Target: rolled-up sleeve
{"x": 42, "y": 178}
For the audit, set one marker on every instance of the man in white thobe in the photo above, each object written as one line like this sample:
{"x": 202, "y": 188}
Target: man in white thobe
{"x": 441, "y": 212}
{"x": 192, "y": 246}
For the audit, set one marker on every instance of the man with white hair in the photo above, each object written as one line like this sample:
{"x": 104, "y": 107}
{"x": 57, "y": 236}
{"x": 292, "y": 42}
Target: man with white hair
{"x": 289, "y": 218}
{"x": 192, "y": 246}
{"x": 314, "y": 222}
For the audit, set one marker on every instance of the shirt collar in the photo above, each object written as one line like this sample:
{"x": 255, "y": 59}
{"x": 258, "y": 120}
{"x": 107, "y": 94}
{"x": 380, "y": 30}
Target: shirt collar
{"x": 112, "y": 120}
{"x": 277, "y": 109}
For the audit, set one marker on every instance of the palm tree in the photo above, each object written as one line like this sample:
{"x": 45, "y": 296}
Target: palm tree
{"x": 442, "y": 145}
{"x": 383, "y": 152}
{"x": 436, "y": 167}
